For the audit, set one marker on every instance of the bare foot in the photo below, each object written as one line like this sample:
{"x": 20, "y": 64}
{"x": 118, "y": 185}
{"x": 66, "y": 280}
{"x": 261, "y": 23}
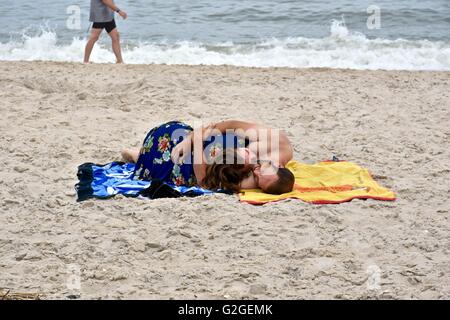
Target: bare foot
{"x": 127, "y": 155}
{"x": 131, "y": 155}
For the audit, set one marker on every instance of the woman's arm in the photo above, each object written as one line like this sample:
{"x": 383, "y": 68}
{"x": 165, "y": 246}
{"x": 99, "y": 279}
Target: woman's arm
{"x": 190, "y": 141}
{"x": 200, "y": 173}
{"x": 193, "y": 142}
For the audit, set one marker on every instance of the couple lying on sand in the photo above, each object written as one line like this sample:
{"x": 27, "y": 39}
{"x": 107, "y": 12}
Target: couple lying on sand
{"x": 229, "y": 155}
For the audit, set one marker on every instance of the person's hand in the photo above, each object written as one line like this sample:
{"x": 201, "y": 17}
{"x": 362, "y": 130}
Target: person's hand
{"x": 123, "y": 14}
{"x": 181, "y": 150}
{"x": 208, "y": 130}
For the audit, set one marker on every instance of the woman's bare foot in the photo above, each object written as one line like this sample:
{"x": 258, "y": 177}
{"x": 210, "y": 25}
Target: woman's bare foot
{"x": 130, "y": 155}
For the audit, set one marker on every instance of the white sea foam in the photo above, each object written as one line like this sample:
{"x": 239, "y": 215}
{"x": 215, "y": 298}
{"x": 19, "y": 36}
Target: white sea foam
{"x": 341, "y": 49}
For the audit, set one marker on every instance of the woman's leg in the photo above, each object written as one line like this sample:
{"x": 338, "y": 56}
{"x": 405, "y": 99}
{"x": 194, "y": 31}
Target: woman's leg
{"x": 131, "y": 155}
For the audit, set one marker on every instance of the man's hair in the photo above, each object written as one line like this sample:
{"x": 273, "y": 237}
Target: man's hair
{"x": 284, "y": 184}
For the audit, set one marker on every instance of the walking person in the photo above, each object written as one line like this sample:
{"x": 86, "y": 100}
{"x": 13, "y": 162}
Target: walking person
{"x": 102, "y": 16}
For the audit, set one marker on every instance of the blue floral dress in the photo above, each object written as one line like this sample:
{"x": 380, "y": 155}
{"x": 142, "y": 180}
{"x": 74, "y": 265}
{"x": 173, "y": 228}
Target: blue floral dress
{"x": 155, "y": 162}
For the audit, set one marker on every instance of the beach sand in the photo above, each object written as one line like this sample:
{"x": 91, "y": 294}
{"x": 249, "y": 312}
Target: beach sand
{"x": 56, "y": 116}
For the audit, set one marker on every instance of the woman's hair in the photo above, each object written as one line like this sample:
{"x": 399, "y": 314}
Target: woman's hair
{"x": 226, "y": 171}
{"x": 284, "y": 184}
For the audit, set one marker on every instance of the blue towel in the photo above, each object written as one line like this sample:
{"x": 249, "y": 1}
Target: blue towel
{"x": 105, "y": 181}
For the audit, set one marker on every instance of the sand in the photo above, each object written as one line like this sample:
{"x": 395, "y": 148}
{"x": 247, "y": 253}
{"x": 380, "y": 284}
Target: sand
{"x": 56, "y": 116}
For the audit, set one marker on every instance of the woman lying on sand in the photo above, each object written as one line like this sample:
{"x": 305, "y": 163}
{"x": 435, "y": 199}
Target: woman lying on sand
{"x": 229, "y": 155}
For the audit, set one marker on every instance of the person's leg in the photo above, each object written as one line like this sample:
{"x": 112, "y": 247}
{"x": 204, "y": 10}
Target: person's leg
{"x": 90, "y": 44}
{"x": 131, "y": 155}
{"x": 114, "y": 34}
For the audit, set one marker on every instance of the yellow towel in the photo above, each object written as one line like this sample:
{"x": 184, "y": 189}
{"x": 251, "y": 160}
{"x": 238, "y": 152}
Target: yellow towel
{"x": 325, "y": 183}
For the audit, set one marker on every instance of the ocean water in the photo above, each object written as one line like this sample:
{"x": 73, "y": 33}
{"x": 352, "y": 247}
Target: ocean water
{"x": 358, "y": 34}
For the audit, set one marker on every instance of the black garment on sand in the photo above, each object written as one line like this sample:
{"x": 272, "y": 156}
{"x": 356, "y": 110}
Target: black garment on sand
{"x": 159, "y": 189}
{"x": 108, "y": 26}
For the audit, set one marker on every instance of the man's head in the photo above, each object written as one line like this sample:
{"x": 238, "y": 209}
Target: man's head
{"x": 272, "y": 179}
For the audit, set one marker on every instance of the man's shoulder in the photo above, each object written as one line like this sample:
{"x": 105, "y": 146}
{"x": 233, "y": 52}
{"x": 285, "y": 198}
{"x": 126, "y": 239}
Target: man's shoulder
{"x": 98, "y": 3}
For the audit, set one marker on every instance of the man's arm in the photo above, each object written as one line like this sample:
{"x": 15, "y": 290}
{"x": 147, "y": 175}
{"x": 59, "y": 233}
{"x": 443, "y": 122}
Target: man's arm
{"x": 112, "y": 6}
{"x": 237, "y": 125}
{"x": 280, "y": 150}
